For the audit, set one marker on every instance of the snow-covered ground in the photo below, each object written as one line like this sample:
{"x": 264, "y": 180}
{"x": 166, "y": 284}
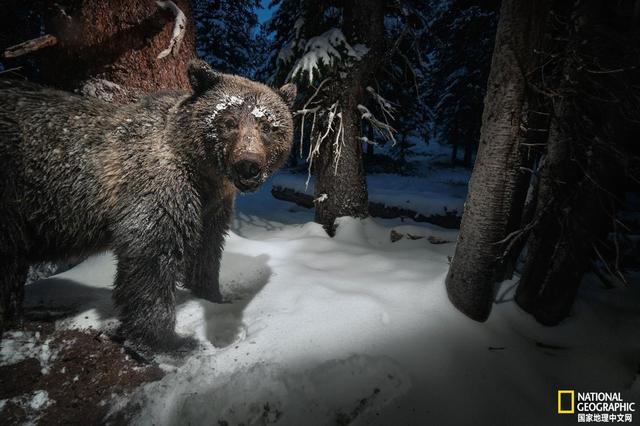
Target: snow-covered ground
{"x": 358, "y": 330}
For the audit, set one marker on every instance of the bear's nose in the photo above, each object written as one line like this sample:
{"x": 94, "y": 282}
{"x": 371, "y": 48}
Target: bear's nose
{"x": 247, "y": 169}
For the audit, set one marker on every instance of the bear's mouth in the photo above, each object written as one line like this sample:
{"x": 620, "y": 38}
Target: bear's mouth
{"x": 246, "y": 185}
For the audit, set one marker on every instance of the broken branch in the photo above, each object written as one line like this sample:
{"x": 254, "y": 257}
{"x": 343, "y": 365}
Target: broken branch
{"x": 178, "y": 28}
{"x": 30, "y": 46}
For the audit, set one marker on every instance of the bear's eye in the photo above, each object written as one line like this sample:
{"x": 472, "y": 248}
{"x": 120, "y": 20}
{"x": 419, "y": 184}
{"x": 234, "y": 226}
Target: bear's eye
{"x": 230, "y": 123}
{"x": 266, "y": 127}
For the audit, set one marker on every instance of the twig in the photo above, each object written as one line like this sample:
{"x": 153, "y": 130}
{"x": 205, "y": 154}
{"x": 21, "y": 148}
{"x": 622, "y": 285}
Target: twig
{"x": 10, "y": 70}
{"x": 610, "y": 71}
{"x": 604, "y": 262}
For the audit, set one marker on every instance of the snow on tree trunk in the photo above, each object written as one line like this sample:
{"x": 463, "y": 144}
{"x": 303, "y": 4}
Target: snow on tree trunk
{"x": 497, "y": 184}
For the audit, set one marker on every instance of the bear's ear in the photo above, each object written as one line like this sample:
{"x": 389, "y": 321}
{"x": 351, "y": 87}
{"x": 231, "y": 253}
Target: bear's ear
{"x": 288, "y": 93}
{"x": 202, "y": 76}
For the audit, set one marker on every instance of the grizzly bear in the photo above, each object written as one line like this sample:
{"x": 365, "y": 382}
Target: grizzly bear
{"x": 153, "y": 181}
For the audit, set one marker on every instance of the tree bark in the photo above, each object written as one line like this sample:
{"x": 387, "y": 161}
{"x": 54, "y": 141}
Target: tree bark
{"x": 498, "y": 186}
{"x": 339, "y": 170}
{"x": 572, "y": 215}
{"x": 370, "y": 151}
{"x": 581, "y": 178}
{"x": 341, "y": 176}
{"x": 110, "y": 49}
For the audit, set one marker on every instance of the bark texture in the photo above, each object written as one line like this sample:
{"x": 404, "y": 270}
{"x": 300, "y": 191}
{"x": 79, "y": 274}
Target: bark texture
{"x": 497, "y": 186}
{"x": 339, "y": 170}
{"x": 109, "y": 49}
{"x": 341, "y": 189}
{"x": 583, "y": 173}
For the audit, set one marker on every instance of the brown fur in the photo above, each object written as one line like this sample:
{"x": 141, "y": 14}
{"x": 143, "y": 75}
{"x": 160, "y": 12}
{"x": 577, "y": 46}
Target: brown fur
{"x": 154, "y": 181}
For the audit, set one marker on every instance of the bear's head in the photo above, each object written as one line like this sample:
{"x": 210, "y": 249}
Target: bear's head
{"x": 245, "y": 127}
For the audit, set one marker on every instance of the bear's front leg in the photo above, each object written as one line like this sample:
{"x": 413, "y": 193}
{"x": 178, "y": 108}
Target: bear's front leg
{"x": 145, "y": 296}
{"x": 150, "y": 251}
{"x": 13, "y": 274}
{"x": 204, "y": 276}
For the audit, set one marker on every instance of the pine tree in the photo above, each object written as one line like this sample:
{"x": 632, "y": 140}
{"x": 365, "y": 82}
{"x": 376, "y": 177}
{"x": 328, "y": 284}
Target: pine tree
{"x": 344, "y": 56}
{"x": 461, "y": 39}
{"x": 497, "y": 183}
{"x": 287, "y": 40}
{"x": 226, "y": 34}
{"x": 555, "y": 157}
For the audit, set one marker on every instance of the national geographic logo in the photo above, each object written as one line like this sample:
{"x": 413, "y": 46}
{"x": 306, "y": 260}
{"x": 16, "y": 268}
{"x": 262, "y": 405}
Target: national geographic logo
{"x": 596, "y": 407}
{"x": 566, "y": 401}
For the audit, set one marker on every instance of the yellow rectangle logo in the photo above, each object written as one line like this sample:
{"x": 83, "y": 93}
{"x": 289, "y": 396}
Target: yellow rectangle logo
{"x": 565, "y": 410}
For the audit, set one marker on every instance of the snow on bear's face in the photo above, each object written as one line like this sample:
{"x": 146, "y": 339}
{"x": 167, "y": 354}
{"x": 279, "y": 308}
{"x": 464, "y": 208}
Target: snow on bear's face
{"x": 246, "y": 125}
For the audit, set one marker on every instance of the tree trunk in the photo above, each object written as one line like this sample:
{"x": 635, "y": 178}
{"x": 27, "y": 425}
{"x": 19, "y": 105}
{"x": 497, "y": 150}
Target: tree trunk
{"x": 339, "y": 172}
{"x": 542, "y": 243}
{"x": 581, "y": 177}
{"x": 572, "y": 215}
{"x": 497, "y": 186}
{"x": 110, "y": 49}
{"x": 341, "y": 177}
{"x": 370, "y": 151}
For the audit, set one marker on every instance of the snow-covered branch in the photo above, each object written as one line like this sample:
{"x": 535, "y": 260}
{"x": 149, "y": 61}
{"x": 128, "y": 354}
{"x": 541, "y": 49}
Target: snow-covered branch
{"x": 365, "y": 139}
{"x": 387, "y": 108}
{"x": 307, "y": 109}
{"x": 383, "y": 128}
{"x": 333, "y": 123}
{"x": 325, "y": 50}
{"x": 178, "y": 28}
{"x": 321, "y": 198}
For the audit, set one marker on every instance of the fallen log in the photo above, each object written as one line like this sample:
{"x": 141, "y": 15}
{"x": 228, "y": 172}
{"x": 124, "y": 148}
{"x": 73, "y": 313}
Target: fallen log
{"x": 449, "y": 220}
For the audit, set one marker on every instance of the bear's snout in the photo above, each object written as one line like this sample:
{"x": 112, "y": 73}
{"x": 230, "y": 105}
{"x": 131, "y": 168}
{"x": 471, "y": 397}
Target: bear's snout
{"x": 248, "y": 170}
